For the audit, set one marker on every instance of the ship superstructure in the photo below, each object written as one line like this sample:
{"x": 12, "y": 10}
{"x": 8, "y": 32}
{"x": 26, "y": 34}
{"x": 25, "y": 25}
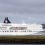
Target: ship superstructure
{"x": 8, "y": 28}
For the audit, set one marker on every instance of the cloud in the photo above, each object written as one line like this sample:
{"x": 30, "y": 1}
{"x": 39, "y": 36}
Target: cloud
{"x": 23, "y": 9}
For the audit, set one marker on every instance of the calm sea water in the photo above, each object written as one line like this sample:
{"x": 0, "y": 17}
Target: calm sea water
{"x": 22, "y": 44}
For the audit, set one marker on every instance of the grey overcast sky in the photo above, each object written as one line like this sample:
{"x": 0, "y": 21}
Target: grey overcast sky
{"x": 18, "y": 11}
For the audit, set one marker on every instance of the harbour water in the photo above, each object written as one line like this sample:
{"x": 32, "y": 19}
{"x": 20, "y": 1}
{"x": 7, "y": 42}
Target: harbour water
{"x": 22, "y": 44}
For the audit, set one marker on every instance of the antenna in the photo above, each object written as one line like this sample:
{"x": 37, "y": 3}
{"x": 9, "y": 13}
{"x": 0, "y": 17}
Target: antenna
{"x": 23, "y": 22}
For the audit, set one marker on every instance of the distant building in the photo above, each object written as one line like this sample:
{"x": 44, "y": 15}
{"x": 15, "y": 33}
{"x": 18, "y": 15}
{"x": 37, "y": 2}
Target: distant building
{"x": 43, "y": 26}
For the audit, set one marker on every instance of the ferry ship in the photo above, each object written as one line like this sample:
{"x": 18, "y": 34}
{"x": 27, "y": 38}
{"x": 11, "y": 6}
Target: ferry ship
{"x": 12, "y": 29}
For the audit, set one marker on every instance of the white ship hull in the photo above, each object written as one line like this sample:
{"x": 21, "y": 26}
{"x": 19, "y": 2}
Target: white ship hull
{"x": 19, "y": 29}
{"x": 16, "y": 33}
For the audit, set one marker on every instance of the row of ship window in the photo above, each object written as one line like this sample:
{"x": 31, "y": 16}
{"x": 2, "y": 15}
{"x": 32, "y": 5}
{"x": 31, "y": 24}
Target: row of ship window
{"x": 15, "y": 31}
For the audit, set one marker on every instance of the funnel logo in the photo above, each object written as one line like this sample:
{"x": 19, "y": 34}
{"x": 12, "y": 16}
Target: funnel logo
{"x": 6, "y": 20}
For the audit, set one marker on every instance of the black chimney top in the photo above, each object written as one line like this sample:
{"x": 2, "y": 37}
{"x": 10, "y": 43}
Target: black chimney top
{"x": 6, "y": 20}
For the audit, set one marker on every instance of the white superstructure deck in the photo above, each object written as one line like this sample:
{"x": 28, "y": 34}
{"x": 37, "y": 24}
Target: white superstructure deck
{"x": 19, "y": 29}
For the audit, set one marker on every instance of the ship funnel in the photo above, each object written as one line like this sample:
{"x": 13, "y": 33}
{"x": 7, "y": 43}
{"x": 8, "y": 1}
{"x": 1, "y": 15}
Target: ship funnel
{"x": 6, "y": 20}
